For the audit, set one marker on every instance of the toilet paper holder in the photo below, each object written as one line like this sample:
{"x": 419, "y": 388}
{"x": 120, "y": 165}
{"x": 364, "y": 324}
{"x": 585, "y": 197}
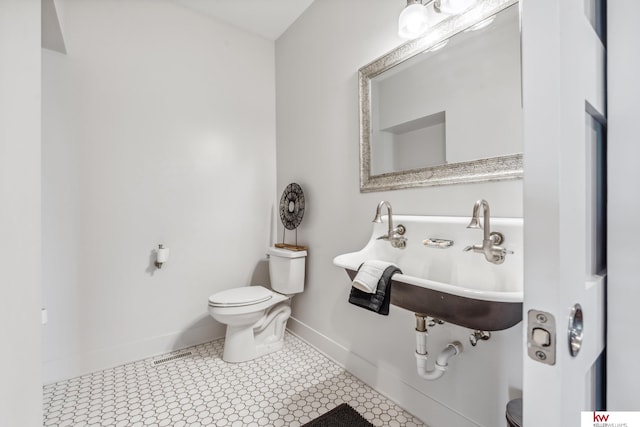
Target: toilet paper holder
{"x": 162, "y": 255}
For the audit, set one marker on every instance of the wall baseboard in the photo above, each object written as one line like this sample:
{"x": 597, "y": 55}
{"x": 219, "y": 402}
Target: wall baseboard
{"x": 82, "y": 364}
{"x": 412, "y": 400}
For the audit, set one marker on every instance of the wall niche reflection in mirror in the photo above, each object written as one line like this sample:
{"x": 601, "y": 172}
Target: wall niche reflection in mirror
{"x": 440, "y": 111}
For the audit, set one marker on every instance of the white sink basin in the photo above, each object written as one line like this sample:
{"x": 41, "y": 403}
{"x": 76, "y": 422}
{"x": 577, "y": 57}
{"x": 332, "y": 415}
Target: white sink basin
{"x": 458, "y": 287}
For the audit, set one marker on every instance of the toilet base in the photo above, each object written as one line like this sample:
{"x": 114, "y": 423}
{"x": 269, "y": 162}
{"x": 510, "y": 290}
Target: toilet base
{"x": 244, "y": 343}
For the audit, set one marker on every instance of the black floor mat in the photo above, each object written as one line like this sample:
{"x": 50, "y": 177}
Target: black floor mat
{"x": 341, "y": 416}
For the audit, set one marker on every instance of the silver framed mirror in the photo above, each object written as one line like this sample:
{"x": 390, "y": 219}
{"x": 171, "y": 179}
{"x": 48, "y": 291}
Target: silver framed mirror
{"x": 431, "y": 116}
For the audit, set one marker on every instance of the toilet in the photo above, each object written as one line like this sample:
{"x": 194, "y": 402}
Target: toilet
{"x": 255, "y": 316}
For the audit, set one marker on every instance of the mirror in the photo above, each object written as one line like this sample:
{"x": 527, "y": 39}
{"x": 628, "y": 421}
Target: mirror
{"x": 445, "y": 108}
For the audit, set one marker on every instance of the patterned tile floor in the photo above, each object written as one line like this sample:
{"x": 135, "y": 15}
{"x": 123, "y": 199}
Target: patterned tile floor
{"x": 286, "y": 388}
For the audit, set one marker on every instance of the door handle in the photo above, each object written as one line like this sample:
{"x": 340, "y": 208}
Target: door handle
{"x": 576, "y": 324}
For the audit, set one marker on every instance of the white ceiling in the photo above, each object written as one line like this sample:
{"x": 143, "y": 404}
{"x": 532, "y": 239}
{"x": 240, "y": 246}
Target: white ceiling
{"x": 266, "y": 18}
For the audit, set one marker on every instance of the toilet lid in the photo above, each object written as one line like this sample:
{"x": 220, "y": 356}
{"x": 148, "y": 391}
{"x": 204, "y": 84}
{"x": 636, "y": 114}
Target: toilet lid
{"x": 238, "y": 297}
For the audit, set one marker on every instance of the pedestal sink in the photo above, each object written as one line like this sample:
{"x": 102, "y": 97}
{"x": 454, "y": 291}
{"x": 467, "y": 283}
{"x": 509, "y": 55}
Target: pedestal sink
{"x": 443, "y": 281}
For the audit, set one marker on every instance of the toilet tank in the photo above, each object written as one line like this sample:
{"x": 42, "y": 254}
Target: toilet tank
{"x": 286, "y": 270}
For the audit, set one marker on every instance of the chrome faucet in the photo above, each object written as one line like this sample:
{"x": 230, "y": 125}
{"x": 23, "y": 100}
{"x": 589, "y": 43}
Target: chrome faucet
{"x": 394, "y": 234}
{"x": 491, "y": 240}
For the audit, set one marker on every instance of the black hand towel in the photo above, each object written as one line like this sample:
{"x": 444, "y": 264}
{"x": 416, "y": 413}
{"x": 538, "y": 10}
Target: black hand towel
{"x": 378, "y": 301}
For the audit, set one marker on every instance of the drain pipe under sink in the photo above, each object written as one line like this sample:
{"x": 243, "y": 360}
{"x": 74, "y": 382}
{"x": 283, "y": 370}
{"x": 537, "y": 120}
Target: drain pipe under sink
{"x": 442, "y": 361}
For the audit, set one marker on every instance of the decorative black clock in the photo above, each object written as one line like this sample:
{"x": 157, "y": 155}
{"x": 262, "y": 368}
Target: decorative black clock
{"x": 292, "y": 206}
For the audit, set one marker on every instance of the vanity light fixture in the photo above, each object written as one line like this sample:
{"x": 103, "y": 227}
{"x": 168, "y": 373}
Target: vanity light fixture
{"x": 414, "y": 18}
{"x": 413, "y": 21}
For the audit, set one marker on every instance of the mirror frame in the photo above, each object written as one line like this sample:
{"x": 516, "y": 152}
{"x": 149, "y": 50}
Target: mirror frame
{"x": 490, "y": 169}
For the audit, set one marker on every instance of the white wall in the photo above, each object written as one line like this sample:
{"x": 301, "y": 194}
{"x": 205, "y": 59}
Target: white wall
{"x": 158, "y": 127}
{"x": 317, "y": 144}
{"x": 20, "y": 359}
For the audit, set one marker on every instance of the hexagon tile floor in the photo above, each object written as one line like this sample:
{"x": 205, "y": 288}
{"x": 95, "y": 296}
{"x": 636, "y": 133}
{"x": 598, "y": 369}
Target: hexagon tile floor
{"x": 287, "y": 388}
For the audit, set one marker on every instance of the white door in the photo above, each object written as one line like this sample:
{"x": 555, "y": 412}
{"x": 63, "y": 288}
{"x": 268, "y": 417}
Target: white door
{"x": 623, "y": 69}
{"x": 564, "y": 110}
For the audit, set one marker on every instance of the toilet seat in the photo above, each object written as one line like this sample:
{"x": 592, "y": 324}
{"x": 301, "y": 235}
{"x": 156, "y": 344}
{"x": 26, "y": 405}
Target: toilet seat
{"x": 240, "y": 297}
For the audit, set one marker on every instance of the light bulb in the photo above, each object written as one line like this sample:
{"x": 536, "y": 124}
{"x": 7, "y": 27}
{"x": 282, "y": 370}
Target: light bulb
{"x": 413, "y": 21}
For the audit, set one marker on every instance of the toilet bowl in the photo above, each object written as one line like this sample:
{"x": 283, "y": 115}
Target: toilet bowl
{"x": 255, "y": 316}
